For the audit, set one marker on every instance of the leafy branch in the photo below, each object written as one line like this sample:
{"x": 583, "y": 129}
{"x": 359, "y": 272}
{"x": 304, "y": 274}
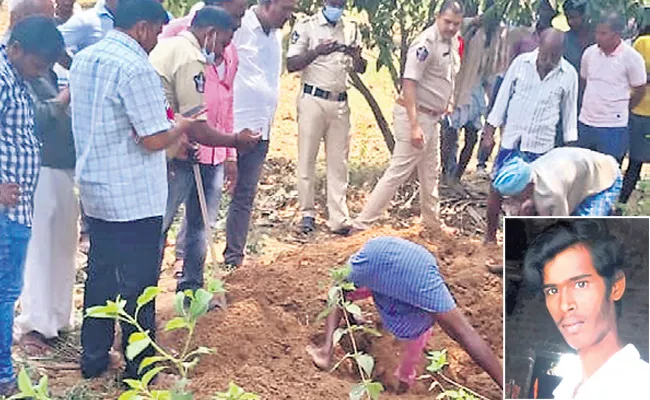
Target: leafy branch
{"x": 437, "y": 362}
{"x": 365, "y": 363}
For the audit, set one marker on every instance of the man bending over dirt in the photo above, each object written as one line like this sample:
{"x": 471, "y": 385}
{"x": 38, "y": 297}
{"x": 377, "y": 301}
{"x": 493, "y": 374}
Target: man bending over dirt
{"x": 411, "y": 296}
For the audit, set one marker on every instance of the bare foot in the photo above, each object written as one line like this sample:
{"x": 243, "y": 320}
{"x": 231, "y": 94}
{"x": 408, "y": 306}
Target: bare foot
{"x": 320, "y": 356}
{"x": 34, "y": 344}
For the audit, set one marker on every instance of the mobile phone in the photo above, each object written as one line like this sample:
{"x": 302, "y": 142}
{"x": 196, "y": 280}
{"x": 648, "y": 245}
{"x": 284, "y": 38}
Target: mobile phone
{"x": 195, "y": 112}
{"x": 342, "y": 47}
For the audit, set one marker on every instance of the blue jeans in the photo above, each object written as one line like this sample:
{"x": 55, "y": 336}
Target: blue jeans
{"x": 249, "y": 165}
{"x": 612, "y": 141}
{"x": 14, "y": 238}
{"x": 214, "y": 203}
{"x": 182, "y": 189}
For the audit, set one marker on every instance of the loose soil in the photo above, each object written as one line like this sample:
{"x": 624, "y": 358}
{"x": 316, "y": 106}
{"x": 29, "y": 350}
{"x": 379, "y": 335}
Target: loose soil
{"x": 273, "y": 305}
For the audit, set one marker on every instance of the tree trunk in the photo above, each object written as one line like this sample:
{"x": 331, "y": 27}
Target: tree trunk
{"x": 376, "y": 110}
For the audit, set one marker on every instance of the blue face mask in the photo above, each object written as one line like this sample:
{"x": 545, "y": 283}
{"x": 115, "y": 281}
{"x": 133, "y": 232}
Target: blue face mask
{"x": 333, "y": 14}
{"x": 210, "y": 56}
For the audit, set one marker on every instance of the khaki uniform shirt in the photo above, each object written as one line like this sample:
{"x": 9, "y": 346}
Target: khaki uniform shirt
{"x": 181, "y": 65}
{"x": 566, "y": 176}
{"x": 325, "y": 72}
{"x": 433, "y": 63}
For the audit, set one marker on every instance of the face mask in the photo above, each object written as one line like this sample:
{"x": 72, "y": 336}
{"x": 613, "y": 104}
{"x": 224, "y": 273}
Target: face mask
{"x": 333, "y": 14}
{"x": 210, "y": 56}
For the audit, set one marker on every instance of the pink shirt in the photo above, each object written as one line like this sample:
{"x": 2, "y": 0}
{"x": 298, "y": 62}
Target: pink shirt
{"x": 610, "y": 79}
{"x": 218, "y": 95}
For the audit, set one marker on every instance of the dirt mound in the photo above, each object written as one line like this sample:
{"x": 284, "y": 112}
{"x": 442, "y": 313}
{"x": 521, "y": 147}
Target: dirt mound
{"x": 260, "y": 340}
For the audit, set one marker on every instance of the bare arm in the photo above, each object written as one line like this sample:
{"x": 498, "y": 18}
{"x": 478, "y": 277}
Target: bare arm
{"x": 458, "y": 328}
{"x": 163, "y": 140}
{"x": 637, "y": 96}
{"x": 409, "y": 98}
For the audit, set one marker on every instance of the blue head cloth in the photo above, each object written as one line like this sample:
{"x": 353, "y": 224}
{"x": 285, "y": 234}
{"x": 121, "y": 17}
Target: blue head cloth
{"x": 512, "y": 178}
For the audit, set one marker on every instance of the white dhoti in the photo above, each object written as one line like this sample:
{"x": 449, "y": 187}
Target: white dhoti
{"x": 46, "y": 299}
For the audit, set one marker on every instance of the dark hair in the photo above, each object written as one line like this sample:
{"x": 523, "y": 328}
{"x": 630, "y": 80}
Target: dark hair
{"x": 215, "y": 2}
{"x": 607, "y": 254}
{"x": 614, "y": 20}
{"x": 575, "y": 5}
{"x": 38, "y": 36}
{"x": 455, "y": 6}
{"x": 130, "y": 12}
{"x": 212, "y": 17}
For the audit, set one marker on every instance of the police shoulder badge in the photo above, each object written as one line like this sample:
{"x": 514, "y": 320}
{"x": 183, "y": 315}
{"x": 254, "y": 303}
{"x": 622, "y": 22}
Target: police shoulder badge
{"x": 294, "y": 37}
{"x": 422, "y": 53}
{"x": 199, "y": 82}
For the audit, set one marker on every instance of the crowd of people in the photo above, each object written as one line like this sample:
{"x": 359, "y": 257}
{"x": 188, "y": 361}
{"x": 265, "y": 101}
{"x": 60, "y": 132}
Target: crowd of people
{"x": 141, "y": 115}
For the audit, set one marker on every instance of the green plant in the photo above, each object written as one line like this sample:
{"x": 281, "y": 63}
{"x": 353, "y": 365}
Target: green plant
{"x": 437, "y": 362}
{"x": 139, "y": 341}
{"x": 190, "y": 306}
{"x": 235, "y": 393}
{"x": 30, "y": 391}
{"x": 365, "y": 362}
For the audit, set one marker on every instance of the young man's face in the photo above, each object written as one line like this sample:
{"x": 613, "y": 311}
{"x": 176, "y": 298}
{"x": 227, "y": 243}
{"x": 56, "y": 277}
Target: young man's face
{"x": 577, "y": 298}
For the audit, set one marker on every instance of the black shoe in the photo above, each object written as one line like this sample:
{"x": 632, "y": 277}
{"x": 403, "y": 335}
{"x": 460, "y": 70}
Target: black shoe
{"x": 345, "y": 231}
{"x": 308, "y": 225}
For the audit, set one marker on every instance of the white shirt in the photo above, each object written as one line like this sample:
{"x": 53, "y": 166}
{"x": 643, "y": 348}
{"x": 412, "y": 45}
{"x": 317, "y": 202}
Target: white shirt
{"x": 623, "y": 376}
{"x": 610, "y": 79}
{"x": 257, "y": 84}
{"x": 531, "y": 107}
{"x": 87, "y": 28}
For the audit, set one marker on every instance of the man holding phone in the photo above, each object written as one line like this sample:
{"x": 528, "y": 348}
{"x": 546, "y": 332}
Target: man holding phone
{"x": 325, "y": 48}
{"x": 182, "y": 62}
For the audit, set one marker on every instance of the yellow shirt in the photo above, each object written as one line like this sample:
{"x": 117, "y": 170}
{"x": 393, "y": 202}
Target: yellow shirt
{"x": 642, "y": 45}
{"x": 328, "y": 72}
{"x": 433, "y": 63}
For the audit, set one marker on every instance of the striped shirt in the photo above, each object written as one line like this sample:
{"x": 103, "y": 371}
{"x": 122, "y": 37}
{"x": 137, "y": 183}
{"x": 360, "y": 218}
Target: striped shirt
{"x": 19, "y": 148}
{"x": 118, "y": 98}
{"x": 405, "y": 283}
{"x": 531, "y": 108}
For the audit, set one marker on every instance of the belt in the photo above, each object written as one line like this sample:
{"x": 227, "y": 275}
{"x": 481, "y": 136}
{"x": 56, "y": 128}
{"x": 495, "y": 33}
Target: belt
{"x": 400, "y": 100}
{"x": 429, "y": 111}
{"x": 324, "y": 94}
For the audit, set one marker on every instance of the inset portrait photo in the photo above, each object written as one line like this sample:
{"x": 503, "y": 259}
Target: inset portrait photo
{"x": 576, "y": 308}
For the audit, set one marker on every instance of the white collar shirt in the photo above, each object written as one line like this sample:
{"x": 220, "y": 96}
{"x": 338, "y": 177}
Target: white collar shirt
{"x": 623, "y": 376}
{"x": 257, "y": 84}
{"x": 531, "y": 107}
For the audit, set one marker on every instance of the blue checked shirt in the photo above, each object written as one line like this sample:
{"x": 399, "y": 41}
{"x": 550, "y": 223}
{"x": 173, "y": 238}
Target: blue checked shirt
{"x": 19, "y": 147}
{"x": 118, "y": 98}
{"x": 405, "y": 283}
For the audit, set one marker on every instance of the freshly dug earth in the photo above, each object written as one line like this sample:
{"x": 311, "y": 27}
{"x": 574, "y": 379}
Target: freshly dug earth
{"x": 260, "y": 341}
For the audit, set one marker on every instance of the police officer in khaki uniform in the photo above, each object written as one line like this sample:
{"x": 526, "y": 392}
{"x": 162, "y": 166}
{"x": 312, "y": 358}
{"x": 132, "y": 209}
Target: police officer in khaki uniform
{"x": 181, "y": 63}
{"x": 324, "y": 47}
{"x": 428, "y": 83}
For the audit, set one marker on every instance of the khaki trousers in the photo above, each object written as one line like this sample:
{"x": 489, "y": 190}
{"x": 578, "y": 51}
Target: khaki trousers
{"x": 320, "y": 119}
{"x": 404, "y": 160}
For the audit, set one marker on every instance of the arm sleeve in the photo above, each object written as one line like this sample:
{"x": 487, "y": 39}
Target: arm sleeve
{"x": 299, "y": 40}
{"x": 189, "y": 87}
{"x": 74, "y": 31}
{"x": 636, "y": 71}
{"x": 144, "y": 102}
{"x": 417, "y": 59}
{"x": 498, "y": 115}
{"x": 570, "y": 111}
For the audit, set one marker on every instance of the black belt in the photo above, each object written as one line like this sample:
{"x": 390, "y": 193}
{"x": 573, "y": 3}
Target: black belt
{"x": 324, "y": 94}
